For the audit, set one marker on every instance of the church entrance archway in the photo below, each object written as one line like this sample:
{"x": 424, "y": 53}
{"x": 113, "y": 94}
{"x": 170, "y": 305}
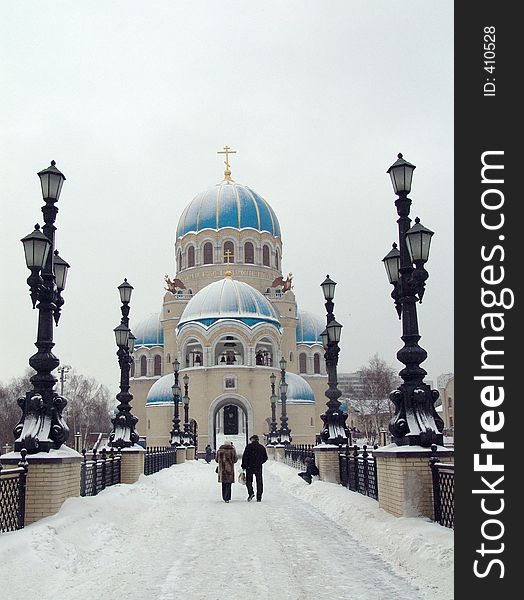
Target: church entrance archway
{"x": 230, "y": 418}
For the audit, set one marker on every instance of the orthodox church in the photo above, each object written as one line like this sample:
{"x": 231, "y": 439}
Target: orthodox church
{"x": 228, "y": 316}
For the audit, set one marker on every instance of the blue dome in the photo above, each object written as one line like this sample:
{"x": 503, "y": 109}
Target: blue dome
{"x": 228, "y": 204}
{"x": 161, "y": 392}
{"x": 149, "y": 332}
{"x": 309, "y": 328}
{"x": 229, "y": 298}
{"x": 298, "y": 389}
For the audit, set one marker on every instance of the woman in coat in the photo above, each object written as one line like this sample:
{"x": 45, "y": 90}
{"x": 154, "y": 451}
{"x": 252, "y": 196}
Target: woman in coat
{"x": 209, "y": 453}
{"x": 226, "y": 458}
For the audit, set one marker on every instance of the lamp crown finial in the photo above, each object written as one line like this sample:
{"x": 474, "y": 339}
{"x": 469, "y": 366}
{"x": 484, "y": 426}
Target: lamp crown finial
{"x": 417, "y": 220}
{"x": 53, "y": 163}
{"x": 399, "y": 155}
{"x": 37, "y": 227}
{"x": 394, "y": 244}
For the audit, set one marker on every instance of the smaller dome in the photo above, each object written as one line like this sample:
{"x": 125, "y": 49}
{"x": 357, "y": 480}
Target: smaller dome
{"x": 229, "y": 298}
{"x": 149, "y": 332}
{"x": 309, "y": 328}
{"x": 298, "y": 390}
{"x": 161, "y": 392}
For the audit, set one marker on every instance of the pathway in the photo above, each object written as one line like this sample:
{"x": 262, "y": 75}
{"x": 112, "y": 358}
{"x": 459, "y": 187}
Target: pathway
{"x": 171, "y": 537}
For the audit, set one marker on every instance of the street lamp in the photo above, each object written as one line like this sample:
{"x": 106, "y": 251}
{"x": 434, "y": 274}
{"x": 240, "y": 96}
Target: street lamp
{"x": 334, "y": 430}
{"x": 415, "y": 421}
{"x": 187, "y": 440}
{"x": 41, "y": 426}
{"x": 176, "y": 436}
{"x": 272, "y": 437}
{"x": 123, "y": 434}
{"x": 284, "y": 433}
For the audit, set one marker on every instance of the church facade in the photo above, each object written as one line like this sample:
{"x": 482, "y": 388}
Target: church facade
{"x": 228, "y": 316}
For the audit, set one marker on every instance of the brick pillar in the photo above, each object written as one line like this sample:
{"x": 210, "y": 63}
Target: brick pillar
{"x": 132, "y": 465}
{"x": 270, "y": 452}
{"x": 181, "y": 455}
{"x": 405, "y": 487}
{"x": 52, "y": 477}
{"x": 190, "y": 453}
{"x": 280, "y": 452}
{"x": 327, "y": 461}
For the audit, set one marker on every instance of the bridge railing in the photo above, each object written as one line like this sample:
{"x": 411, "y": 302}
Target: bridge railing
{"x": 158, "y": 458}
{"x": 358, "y": 470}
{"x": 295, "y": 455}
{"x": 443, "y": 475}
{"x": 12, "y": 495}
{"x": 99, "y": 470}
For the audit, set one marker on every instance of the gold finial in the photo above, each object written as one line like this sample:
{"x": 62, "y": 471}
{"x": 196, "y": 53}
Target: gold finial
{"x": 227, "y": 151}
{"x": 229, "y": 274}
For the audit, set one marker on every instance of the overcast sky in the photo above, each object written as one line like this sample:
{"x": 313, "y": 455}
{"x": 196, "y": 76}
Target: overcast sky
{"x": 134, "y": 98}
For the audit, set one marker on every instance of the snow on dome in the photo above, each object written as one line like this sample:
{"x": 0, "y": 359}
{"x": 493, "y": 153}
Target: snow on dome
{"x": 228, "y": 204}
{"x": 298, "y": 389}
{"x": 149, "y": 332}
{"x": 229, "y": 298}
{"x": 309, "y": 328}
{"x": 161, "y": 392}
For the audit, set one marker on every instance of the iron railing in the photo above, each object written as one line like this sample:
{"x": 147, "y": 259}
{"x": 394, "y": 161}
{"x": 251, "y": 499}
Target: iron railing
{"x": 358, "y": 470}
{"x": 159, "y": 457}
{"x": 443, "y": 475}
{"x": 295, "y": 455}
{"x": 99, "y": 471}
{"x": 12, "y": 495}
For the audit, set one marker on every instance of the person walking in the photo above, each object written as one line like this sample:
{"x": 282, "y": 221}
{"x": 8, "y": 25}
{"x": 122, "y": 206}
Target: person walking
{"x": 311, "y": 469}
{"x": 209, "y": 453}
{"x": 226, "y": 458}
{"x": 254, "y": 457}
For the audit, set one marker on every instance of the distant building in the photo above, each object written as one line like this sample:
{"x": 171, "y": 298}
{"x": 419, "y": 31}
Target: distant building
{"x": 448, "y": 406}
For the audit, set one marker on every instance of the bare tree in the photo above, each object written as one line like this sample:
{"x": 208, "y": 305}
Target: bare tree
{"x": 371, "y": 397}
{"x": 89, "y": 406}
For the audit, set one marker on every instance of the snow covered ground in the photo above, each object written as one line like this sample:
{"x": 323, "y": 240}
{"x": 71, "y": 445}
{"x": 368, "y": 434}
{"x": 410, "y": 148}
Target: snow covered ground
{"x": 170, "y": 536}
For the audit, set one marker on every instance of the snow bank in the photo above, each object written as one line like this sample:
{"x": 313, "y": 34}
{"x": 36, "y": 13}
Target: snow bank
{"x": 417, "y": 546}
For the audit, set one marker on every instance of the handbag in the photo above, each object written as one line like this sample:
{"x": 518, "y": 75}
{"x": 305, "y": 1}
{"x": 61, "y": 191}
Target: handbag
{"x": 242, "y": 478}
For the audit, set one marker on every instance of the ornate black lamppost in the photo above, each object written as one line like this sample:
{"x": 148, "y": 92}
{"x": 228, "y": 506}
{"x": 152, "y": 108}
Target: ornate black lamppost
{"x": 42, "y": 426}
{"x": 123, "y": 434}
{"x": 415, "y": 421}
{"x": 176, "y": 435}
{"x": 272, "y": 437}
{"x": 284, "y": 433}
{"x": 188, "y": 438}
{"x": 335, "y": 430}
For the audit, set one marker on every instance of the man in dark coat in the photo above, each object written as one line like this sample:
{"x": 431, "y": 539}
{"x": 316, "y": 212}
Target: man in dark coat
{"x": 254, "y": 457}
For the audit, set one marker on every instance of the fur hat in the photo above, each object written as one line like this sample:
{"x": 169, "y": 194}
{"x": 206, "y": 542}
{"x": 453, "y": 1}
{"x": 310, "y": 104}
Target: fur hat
{"x": 254, "y": 438}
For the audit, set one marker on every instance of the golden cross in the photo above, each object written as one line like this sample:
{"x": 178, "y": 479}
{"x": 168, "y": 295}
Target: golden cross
{"x": 228, "y": 254}
{"x": 227, "y": 151}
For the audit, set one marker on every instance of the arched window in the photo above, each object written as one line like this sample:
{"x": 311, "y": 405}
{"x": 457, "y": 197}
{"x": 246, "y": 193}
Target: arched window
{"x": 132, "y": 369}
{"x": 179, "y": 260}
{"x": 265, "y": 255}
{"x": 277, "y": 260}
{"x": 143, "y": 366}
{"x": 191, "y": 256}
{"x": 158, "y": 365}
{"x": 208, "y": 253}
{"x": 229, "y": 252}
{"x": 302, "y": 363}
{"x": 249, "y": 253}
{"x": 168, "y": 358}
{"x": 316, "y": 363}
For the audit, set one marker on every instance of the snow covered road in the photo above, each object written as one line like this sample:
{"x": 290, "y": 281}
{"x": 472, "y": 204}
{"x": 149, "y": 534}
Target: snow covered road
{"x": 170, "y": 536}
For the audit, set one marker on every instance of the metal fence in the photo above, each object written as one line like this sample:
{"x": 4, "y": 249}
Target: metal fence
{"x": 443, "y": 491}
{"x": 12, "y": 495}
{"x": 159, "y": 457}
{"x": 358, "y": 470}
{"x": 295, "y": 455}
{"x": 99, "y": 471}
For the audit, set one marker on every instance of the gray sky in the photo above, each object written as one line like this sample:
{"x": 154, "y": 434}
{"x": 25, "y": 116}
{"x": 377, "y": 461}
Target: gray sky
{"x": 133, "y": 99}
